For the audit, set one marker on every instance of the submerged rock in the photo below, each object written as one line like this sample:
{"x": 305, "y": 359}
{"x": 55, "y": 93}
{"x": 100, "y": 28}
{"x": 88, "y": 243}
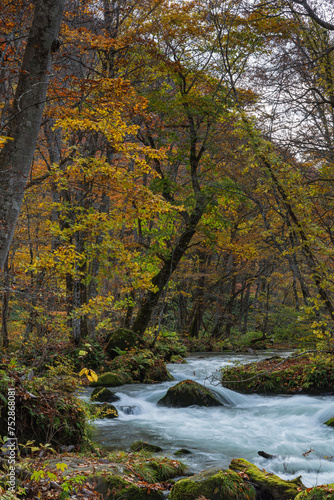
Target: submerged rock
{"x": 213, "y": 484}
{"x": 268, "y": 485}
{"x": 188, "y": 393}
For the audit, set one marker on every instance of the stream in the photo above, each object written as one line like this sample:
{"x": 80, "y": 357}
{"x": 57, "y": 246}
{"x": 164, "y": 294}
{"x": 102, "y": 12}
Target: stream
{"x": 285, "y": 426}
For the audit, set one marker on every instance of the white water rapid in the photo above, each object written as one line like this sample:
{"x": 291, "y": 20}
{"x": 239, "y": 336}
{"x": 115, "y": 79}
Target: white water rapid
{"x": 285, "y": 426}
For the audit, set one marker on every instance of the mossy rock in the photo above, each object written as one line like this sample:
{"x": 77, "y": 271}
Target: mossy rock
{"x": 213, "y": 484}
{"x": 177, "y": 359}
{"x": 182, "y": 451}
{"x": 188, "y": 393}
{"x": 157, "y": 373}
{"x": 113, "y": 487}
{"x": 109, "y": 379}
{"x": 330, "y": 422}
{"x": 105, "y": 411}
{"x": 103, "y": 395}
{"x": 325, "y": 492}
{"x": 121, "y": 339}
{"x": 268, "y": 485}
{"x": 142, "y": 445}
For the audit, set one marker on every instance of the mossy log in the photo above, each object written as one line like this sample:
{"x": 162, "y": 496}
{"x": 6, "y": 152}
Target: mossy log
{"x": 267, "y": 484}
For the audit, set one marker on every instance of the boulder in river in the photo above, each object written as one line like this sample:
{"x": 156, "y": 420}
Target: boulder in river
{"x": 213, "y": 484}
{"x": 109, "y": 379}
{"x": 103, "y": 395}
{"x": 188, "y": 393}
{"x": 105, "y": 411}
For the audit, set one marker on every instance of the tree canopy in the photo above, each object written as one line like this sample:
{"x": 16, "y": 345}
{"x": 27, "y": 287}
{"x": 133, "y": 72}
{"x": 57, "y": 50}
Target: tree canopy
{"x": 180, "y": 177}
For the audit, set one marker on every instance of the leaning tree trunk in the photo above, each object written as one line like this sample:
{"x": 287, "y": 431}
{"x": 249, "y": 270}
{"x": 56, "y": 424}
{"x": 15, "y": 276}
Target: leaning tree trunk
{"x": 161, "y": 279}
{"x": 26, "y": 115}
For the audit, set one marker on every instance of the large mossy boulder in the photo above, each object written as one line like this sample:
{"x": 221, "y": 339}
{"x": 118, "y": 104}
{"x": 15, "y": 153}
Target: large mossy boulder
{"x": 103, "y": 395}
{"x": 110, "y": 379}
{"x": 325, "y": 492}
{"x": 120, "y": 340}
{"x": 213, "y": 484}
{"x": 268, "y": 485}
{"x": 330, "y": 422}
{"x": 188, "y": 393}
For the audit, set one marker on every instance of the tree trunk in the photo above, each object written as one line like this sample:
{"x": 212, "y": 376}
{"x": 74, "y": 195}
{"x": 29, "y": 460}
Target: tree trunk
{"x": 26, "y": 115}
{"x": 5, "y": 307}
{"x": 161, "y": 279}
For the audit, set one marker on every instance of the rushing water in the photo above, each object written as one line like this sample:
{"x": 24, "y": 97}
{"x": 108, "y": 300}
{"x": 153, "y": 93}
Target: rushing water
{"x": 285, "y": 426}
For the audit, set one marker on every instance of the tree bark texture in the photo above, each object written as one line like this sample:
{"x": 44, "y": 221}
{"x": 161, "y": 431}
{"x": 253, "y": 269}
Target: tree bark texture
{"x": 25, "y": 119}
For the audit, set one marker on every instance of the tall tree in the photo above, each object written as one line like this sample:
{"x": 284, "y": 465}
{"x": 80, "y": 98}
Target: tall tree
{"x": 26, "y": 115}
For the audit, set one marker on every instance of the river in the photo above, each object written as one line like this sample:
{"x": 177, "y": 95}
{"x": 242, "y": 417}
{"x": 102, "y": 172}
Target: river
{"x": 289, "y": 427}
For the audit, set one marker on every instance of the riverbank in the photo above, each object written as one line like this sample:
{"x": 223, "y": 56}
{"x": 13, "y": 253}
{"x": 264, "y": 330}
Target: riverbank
{"x": 287, "y": 427}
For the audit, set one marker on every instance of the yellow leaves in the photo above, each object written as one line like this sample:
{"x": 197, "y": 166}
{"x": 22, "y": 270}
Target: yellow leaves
{"x": 4, "y": 139}
{"x": 90, "y": 374}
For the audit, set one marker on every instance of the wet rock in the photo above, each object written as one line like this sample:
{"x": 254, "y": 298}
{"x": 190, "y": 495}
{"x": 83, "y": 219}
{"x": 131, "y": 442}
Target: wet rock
{"x": 266, "y": 455}
{"x": 188, "y": 393}
{"x": 129, "y": 410}
{"x": 182, "y": 451}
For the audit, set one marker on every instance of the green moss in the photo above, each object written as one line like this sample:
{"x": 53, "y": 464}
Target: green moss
{"x": 213, "y": 484}
{"x": 109, "y": 379}
{"x": 120, "y": 340}
{"x": 325, "y": 492}
{"x": 101, "y": 394}
{"x": 272, "y": 486}
{"x": 330, "y": 422}
{"x": 157, "y": 373}
{"x": 104, "y": 410}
